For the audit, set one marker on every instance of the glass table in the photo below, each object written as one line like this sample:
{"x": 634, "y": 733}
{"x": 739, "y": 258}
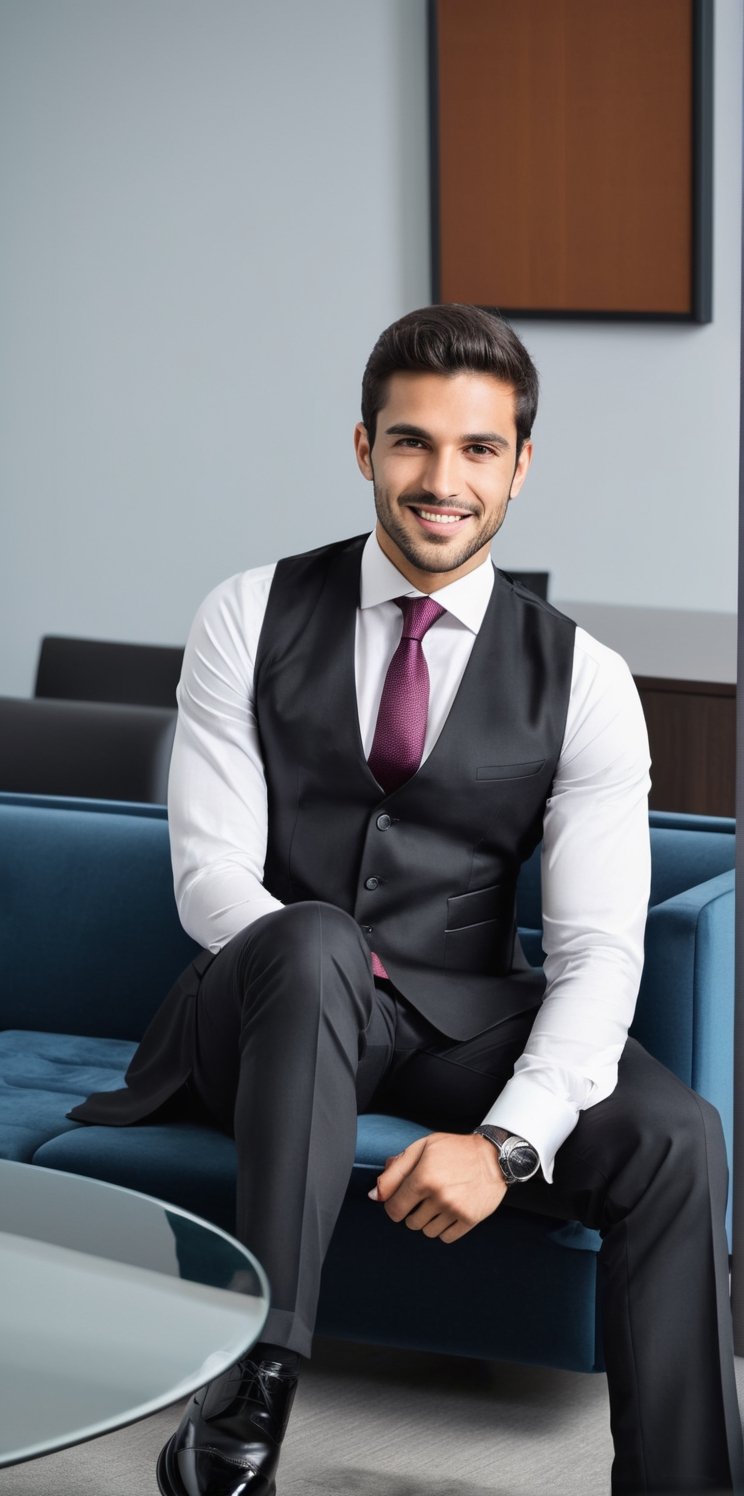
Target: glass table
{"x": 112, "y": 1305}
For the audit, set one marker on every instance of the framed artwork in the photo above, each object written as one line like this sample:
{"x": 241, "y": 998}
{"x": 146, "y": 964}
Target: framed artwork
{"x": 571, "y": 145}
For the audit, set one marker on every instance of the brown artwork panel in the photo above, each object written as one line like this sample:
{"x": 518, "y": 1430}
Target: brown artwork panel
{"x": 564, "y": 136}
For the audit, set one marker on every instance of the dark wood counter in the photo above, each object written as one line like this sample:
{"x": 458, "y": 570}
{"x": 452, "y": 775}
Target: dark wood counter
{"x": 684, "y": 665}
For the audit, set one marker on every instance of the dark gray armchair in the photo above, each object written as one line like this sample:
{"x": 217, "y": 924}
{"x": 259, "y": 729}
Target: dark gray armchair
{"x": 91, "y": 749}
{"x": 106, "y": 670}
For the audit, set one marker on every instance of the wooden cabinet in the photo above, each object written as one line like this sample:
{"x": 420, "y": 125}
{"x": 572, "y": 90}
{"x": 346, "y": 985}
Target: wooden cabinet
{"x": 684, "y": 665}
{"x": 692, "y": 735}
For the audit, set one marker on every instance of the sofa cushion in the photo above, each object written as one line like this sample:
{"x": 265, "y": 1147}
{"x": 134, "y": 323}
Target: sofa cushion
{"x": 181, "y": 1162}
{"x": 43, "y": 1075}
{"x": 192, "y": 1165}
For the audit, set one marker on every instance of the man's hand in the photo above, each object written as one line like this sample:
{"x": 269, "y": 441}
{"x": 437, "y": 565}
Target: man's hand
{"x": 443, "y": 1184}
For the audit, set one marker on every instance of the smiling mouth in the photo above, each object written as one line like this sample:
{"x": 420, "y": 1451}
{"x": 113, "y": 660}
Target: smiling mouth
{"x": 443, "y": 518}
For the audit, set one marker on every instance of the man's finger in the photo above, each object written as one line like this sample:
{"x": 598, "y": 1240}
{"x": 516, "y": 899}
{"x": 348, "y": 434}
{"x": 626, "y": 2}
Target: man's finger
{"x": 421, "y": 1215}
{"x": 404, "y": 1201}
{"x": 438, "y": 1226}
{"x": 395, "y": 1172}
{"x": 454, "y": 1232}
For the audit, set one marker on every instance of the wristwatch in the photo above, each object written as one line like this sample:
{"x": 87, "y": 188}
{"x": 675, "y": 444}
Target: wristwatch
{"x": 518, "y": 1159}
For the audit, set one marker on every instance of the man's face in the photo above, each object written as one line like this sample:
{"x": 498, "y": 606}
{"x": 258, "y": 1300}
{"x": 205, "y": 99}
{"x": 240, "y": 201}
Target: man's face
{"x": 444, "y": 467}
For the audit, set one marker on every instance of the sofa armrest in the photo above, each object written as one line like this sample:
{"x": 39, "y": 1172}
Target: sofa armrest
{"x": 685, "y": 1013}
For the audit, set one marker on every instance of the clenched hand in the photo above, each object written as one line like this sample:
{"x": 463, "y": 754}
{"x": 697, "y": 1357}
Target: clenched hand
{"x": 443, "y": 1184}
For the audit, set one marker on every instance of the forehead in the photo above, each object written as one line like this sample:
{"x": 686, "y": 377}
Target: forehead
{"x": 450, "y": 404}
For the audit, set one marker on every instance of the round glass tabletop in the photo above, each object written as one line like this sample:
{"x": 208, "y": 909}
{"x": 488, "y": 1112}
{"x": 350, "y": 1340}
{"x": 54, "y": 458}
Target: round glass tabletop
{"x": 112, "y": 1305}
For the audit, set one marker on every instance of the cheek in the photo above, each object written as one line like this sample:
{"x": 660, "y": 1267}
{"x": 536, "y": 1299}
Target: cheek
{"x": 494, "y": 497}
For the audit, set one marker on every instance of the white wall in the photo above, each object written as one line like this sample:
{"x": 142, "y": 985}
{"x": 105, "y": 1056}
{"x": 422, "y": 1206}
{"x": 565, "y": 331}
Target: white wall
{"x": 209, "y": 211}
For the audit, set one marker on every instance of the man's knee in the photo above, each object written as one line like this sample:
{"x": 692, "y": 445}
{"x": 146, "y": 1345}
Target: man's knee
{"x": 304, "y": 928}
{"x": 295, "y": 947}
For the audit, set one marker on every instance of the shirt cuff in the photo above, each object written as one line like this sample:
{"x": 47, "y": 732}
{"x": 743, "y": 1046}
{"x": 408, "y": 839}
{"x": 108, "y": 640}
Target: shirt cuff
{"x": 531, "y": 1112}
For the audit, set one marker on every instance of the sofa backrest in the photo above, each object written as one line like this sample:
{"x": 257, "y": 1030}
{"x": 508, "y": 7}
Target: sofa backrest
{"x": 90, "y": 940}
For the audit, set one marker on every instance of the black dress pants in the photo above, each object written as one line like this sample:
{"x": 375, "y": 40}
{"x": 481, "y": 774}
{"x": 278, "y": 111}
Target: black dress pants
{"x": 293, "y": 1038}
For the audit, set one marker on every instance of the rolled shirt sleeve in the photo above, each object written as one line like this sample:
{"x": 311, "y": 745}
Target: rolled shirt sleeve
{"x": 217, "y": 798}
{"x": 595, "y": 871}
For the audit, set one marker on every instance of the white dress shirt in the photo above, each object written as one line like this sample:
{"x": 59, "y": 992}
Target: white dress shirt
{"x": 595, "y": 856}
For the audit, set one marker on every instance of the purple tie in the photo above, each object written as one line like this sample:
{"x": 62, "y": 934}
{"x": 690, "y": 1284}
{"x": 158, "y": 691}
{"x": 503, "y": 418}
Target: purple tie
{"x": 404, "y": 707}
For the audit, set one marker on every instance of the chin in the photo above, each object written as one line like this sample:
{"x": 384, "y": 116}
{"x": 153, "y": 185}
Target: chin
{"x": 437, "y": 559}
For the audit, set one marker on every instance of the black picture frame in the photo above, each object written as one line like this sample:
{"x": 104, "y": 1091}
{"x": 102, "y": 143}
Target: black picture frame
{"x": 701, "y": 290}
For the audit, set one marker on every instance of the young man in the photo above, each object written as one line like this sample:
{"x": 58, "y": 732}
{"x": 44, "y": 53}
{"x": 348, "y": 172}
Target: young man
{"x": 372, "y": 738}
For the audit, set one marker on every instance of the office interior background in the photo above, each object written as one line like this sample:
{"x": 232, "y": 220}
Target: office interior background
{"x": 209, "y": 212}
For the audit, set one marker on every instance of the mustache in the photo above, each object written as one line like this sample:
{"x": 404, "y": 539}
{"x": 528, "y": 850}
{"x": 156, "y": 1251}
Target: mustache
{"x": 426, "y": 501}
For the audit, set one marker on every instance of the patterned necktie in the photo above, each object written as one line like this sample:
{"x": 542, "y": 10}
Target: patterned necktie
{"x": 404, "y": 705}
{"x": 400, "y": 732}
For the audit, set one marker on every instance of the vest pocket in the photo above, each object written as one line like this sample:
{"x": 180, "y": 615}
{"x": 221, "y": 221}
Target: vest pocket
{"x": 510, "y": 771}
{"x": 480, "y": 930}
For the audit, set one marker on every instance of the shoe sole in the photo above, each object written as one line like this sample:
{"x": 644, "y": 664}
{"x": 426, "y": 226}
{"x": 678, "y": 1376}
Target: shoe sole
{"x": 165, "y": 1484}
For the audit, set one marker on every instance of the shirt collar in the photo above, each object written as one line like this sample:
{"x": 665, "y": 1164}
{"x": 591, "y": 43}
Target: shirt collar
{"x": 465, "y": 599}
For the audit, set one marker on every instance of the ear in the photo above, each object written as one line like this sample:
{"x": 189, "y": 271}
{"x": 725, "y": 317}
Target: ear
{"x": 520, "y": 471}
{"x": 363, "y": 450}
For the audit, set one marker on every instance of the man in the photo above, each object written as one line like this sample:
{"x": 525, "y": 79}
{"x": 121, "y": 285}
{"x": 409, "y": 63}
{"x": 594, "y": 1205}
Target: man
{"x": 372, "y": 738}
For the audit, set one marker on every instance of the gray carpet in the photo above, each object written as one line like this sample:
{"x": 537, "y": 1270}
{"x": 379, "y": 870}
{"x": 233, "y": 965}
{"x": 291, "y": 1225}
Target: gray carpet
{"x": 373, "y": 1422}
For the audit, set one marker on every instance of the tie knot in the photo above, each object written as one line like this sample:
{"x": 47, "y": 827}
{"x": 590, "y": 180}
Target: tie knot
{"x": 419, "y": 613}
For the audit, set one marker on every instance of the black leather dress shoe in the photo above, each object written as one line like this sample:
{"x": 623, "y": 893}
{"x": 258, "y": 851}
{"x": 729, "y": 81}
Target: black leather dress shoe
{"x": 228, "y": 1441}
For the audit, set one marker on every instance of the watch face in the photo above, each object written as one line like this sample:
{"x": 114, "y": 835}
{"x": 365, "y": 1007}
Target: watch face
{"x": 520, "y": 1161}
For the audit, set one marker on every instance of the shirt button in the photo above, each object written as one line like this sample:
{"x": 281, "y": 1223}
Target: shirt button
{"x": 368, "y": 929}
{"x": 371, "y": 883}
{"x": 383, "y": 822}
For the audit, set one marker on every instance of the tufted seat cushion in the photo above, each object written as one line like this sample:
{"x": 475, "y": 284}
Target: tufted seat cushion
{"x": 43, "y": 1075}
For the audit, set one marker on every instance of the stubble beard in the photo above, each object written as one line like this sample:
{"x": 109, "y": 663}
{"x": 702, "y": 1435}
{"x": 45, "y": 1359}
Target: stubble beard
{"x": 429, "y": 555}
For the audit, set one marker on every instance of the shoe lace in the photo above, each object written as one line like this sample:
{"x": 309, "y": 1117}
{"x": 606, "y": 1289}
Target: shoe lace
{"x": 253, "y": 1381}
{"x": 251, "y": 1390}
{"x": 257, "y": 1382}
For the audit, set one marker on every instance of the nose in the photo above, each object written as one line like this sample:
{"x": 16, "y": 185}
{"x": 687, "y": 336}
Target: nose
{"x": 440, "y": 475}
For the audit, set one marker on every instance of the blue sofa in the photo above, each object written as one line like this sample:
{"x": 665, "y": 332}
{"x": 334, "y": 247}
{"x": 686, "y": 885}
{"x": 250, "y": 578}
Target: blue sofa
{"x": 89, "y": 944}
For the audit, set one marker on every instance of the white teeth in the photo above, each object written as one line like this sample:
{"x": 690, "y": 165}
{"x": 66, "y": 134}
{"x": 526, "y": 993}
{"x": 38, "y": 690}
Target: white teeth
{"x": 441, "y": 519}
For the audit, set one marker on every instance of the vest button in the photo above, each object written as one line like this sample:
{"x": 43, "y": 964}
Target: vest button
{"x": 371, "y": 883}
{"x": 383, "y": 822}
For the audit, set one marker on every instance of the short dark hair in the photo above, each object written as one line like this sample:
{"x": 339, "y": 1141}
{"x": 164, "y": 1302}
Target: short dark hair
{"x": 451, "y": 338}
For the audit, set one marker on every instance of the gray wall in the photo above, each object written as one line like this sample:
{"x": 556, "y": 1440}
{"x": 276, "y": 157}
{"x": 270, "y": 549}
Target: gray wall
{"x": 634, "y": 495}
{"x": 209, "y": 211}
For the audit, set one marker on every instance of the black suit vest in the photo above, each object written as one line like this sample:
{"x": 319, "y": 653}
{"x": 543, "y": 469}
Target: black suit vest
{"x": 429, "y": 872}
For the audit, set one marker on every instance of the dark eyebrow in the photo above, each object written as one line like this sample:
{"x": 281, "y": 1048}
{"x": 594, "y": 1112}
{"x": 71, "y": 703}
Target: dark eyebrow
{"x": 490, "y": 438}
